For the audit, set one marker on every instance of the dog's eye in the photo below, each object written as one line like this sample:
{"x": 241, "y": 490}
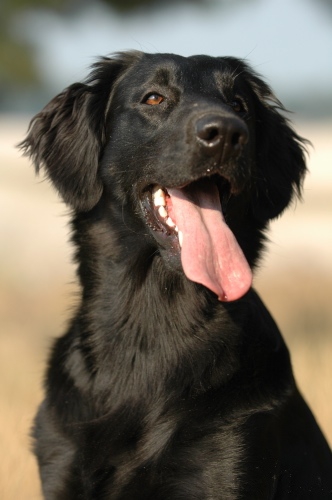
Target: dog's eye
{"x": 237, "y": 105}
{"x": 153, "y": 99}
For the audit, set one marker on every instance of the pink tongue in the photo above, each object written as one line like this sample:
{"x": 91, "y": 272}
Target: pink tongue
{"x": 210, "y": 254}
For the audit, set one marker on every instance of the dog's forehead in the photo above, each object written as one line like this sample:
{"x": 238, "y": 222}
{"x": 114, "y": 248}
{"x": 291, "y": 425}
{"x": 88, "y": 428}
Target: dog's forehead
{"x": 171, "y": 69}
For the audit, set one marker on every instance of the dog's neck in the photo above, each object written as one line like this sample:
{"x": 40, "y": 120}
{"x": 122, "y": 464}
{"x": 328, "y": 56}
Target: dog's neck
{"x": 153, "y": 321}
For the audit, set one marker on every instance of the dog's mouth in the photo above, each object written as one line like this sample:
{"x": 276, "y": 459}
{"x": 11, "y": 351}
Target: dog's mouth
{"x": 191, "y": 218}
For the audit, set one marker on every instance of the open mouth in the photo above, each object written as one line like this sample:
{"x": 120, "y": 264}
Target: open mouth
{"x": 192, "y": 218}
{"x": 156, "y": 204}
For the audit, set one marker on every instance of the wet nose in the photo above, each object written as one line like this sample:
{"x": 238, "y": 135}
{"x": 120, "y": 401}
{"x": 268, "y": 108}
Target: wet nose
{"x": 221, "y": 135}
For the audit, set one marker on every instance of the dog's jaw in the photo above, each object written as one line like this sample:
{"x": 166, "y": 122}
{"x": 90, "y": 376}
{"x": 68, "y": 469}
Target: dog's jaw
{"x": 155, "y": 204}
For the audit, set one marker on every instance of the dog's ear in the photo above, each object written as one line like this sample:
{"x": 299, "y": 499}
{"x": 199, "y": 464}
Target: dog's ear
{"x": 68, "y": 135}
{"x": 280, "y": 153}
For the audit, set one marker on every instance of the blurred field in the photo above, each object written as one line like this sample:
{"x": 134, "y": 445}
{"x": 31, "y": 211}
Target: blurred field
{"x": 37, "y": 289}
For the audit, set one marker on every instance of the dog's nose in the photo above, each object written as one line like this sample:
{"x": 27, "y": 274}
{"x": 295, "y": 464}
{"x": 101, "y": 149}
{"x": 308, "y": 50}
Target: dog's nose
{"x": 220, "y": 135}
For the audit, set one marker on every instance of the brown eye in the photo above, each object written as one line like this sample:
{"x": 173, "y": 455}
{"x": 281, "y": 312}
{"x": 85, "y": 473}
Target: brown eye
{"x": 237, "y": 105}
{"x": 153, "y": 99}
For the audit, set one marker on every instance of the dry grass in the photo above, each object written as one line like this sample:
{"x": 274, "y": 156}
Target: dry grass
{"x": 300, "y": 302}
{"x": 295, "y": 282}
{"x": 28, "y": 321}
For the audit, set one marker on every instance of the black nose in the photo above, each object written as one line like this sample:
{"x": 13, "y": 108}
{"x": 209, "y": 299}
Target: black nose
{"x": 221, "y": 135}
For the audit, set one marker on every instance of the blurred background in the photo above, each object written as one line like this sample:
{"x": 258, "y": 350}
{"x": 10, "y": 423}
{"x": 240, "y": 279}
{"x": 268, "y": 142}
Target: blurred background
{"x": 46, "y": 45}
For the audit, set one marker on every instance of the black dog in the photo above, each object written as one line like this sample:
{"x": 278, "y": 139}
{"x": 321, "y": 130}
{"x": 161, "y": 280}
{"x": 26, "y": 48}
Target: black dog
{"x": 173, "y": 381}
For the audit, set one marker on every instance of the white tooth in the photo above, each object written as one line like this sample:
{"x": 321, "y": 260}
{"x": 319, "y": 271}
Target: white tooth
{"x": 162, "y": 212}
{"x": 159, "y": 197}
{"x": 176, "y": 229}
{"x": 157, "y": 191}
{"x": 159, "y": 201}
{"x": 169, "y": 222}
{"x": 180, "y": 238}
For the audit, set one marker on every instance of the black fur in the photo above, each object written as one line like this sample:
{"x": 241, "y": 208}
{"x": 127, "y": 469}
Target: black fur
{"x": 158, "y": 391}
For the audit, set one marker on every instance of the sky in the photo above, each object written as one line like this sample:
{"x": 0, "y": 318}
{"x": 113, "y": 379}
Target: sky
{"x": 287, "y": 41}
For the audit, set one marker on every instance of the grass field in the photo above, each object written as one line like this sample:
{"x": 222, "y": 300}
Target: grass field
{"x": 37, "y": 290}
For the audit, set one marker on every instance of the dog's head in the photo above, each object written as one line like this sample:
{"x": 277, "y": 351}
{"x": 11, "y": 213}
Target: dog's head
{"x": 184, "y": 146}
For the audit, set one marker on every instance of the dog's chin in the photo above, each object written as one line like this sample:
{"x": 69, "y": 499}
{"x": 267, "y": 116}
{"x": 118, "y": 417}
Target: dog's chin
{"x": 172, "y": 259}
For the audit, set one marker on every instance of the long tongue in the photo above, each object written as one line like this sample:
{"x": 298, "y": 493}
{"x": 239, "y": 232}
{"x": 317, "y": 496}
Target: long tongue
{"x": 210, "y": 254}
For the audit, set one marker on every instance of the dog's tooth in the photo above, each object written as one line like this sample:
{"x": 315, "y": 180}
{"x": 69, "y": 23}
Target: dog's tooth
{"x": 169, "y": 222}
{"x": 180, "y": 238}
{"x": 176, "y": 229}
{"x": 159, "y": 198}
{"x": 159, "y": 201}
{"x": 162, "y": 212}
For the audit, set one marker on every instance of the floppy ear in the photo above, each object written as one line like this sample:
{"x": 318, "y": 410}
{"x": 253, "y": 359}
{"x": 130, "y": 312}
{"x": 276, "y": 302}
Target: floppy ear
{"x": 68, "y": 135}
{"x": 280, "y": 154}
